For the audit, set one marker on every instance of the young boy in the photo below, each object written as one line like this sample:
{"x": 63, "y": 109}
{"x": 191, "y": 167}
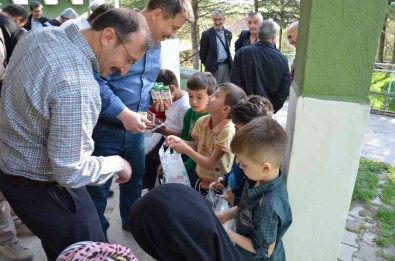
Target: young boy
{"x": 200, "y": 86}
{"x": 213, "y": 134}
{"x": 173, "y": 124}
{"x": 243, "y": 112}
{"x": 264, "y": 213}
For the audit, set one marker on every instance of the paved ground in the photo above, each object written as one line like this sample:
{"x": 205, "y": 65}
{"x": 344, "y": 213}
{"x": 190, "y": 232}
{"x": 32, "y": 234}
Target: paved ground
{"x": 379, "y": 144}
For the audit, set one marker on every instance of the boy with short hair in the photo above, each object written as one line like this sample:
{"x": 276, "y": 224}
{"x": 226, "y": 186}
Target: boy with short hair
{"x": 264, "y": 213}
{"x": 175, "y": 113}
{"x": 243, "y": 112}
{"x": 213, "y": 134}
{"x": 200, "y": 86}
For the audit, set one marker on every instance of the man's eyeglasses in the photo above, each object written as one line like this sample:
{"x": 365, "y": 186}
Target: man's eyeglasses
{"x": 131, "y": 60}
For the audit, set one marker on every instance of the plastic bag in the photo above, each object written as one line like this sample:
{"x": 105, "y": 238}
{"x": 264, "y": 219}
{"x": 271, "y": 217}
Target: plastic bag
{"x": 173, "y": 167}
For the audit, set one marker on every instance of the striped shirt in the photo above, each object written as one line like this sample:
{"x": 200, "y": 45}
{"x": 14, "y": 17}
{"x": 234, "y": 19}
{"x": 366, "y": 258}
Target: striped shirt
{"x": 50, "y": 103}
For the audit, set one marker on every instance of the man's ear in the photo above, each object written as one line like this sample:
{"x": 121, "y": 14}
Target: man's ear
{"x": 266, "y": 167}
{"x": 108, "y": 36}
{"x": 156, "y": 13}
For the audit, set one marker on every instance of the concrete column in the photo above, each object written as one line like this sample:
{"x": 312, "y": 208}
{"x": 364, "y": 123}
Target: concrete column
{"x": 327, "y": 118}
{"x": 170, "y": 56}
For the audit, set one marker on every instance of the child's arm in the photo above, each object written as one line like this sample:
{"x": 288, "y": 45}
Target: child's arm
{"x": 228, "y": 214}
{"x": 167, "y": 132}
{"x": 179, "y": 145}
{"x": 242, "y": 241}
{"x": 203, "y": 161}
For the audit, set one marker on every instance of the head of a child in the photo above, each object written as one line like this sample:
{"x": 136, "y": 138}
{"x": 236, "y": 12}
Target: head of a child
{"x": 260, "y": 147}
{"x": 200, "y": 86}
{"x": 250, "y": 108}
{"x": 168, "y": 78}
{"x": 226, "y": 96}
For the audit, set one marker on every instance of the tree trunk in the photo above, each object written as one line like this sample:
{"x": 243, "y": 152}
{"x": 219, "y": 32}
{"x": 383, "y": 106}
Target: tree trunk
{"x": 380, "y": 56}
{"x": 195, "y": 35}
{"x": 256, "y": 6}
{"x": 393, "y": 53}
{"x": 280, "y": 39}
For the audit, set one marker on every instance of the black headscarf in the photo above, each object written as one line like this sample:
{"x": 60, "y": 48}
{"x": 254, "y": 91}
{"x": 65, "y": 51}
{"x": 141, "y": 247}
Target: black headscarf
{"x": 174, "y": 222}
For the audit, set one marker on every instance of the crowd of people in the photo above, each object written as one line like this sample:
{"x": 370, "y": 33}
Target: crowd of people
{"x": 84, "y": 113}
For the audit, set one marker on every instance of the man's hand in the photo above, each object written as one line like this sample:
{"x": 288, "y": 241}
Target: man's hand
{"x": 132, "y": 121}
{"x": 125, "y": 175}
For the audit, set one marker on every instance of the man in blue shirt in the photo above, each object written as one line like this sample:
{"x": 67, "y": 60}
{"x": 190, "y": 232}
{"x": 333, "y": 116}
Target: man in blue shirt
{"x": 120, "y": 126}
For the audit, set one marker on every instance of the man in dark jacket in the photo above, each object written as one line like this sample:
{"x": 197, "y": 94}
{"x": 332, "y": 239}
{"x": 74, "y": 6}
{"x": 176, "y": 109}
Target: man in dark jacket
{"x": 261, "y": 69}
{"x": 214, "y": 48}
{"x": 35, "y": 19}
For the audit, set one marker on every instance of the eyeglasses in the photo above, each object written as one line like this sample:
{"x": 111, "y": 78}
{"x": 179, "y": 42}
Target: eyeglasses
{"x": 131, "y": 60}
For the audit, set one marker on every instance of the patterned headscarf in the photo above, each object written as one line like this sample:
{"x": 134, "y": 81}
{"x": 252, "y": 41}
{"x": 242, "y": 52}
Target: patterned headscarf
{"x": 87, "y": 250}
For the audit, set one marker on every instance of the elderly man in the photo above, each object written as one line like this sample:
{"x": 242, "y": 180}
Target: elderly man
{"x": 49, "y": 108}
{"x": 214, "y": 48}
{"x": 67, "y": 14}
{"x": 123, "y": 97}
{"x": 292, "y": 35}
{"x": 36, "y": 18}
{"x": 261, "y": 69}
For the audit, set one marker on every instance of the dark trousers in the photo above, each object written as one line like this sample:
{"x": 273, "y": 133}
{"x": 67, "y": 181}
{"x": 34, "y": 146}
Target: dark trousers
{"x": 57, "y": 215}
{"x": 152, "y": 162}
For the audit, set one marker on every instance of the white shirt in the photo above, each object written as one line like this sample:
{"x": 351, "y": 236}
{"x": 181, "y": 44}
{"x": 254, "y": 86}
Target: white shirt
{"x": 175, "y": 114}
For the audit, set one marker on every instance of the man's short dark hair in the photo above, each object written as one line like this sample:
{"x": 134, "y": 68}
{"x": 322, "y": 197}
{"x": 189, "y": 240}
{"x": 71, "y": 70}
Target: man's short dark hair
{"x": 171, "y": 8}
{"x": 98, "y": 11}
{"x": 34, "y": 5}
{"x": 124, "y": 22}
{"x": 250, "y": 108}
{"x": 202, "y": 81}
{"x": 167, "y": 77}
{"x": 15, "y": 10}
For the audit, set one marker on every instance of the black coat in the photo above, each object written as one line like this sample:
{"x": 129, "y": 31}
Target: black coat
{"x": 262, "y": 70}
{"x": 28, "y": 25}
{"x": 208, "y": 49}
{"x": 11, "y": 32}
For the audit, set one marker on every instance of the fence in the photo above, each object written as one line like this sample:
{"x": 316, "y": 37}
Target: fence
{"x": 381, "y": 93}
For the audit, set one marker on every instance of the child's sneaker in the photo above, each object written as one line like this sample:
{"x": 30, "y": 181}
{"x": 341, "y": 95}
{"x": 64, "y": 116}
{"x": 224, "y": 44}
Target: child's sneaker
{"x": 15, "y": 251}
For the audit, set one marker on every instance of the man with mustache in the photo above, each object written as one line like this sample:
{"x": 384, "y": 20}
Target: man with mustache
{"x": 120, "y": 126}
{"x": 49, "y": 107}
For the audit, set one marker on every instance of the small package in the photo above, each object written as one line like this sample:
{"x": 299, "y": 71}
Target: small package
{"x": 166, "y": 95}
{"x": 155, "y": 93}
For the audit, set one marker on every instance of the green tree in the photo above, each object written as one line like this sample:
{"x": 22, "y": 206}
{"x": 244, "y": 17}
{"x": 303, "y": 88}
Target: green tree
{"x": 283, "y": 12}
{"x": 138, "y": 4}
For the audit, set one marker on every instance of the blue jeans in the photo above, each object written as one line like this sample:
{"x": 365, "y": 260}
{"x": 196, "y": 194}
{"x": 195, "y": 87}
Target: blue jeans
{"x": 115, "y": 141}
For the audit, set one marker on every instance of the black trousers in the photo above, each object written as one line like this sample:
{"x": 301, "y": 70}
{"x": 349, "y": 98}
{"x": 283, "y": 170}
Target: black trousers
{"x": 152, "y": 162}
{"x": 57, "y": 215}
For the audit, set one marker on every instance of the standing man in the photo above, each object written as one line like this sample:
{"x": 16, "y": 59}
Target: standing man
{"x": 214, "y": 48}
{"x": 36, "y": 18}
{"x": 67, "y": 14}
{"x": 261, "y": 69}
{"x": 123, "y": 97}
{"x": 292, "y": 36}
{"x": 49, "y": 107}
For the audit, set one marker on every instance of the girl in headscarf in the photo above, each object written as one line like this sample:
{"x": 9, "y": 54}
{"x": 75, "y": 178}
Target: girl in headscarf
{"x": 174, "y": 222}
{"x": 96, "y": 251}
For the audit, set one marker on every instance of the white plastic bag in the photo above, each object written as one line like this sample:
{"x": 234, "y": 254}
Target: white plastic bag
{"x": 173, "y": 167}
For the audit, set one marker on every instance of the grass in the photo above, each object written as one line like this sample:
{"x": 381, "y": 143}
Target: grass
{"x": 366, "y": 189}
{"x": 380, "y": 83}
{"x": 367, "y": 181}
{"x": 380, "y": 253}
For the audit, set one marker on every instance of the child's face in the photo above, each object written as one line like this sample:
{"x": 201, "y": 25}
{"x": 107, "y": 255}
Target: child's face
{"x": 252, "y": 170}
{"x": 198, "y": 100}
{"x": 216, "y": 102}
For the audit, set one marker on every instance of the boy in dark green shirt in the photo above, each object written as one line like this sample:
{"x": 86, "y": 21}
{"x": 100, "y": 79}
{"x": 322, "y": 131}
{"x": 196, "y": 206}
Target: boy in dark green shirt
{"x": 200, "y": 86}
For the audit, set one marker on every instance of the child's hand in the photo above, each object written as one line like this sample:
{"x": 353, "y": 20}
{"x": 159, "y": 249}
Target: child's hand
{"x": 179, "y": 146}
{"x": 217, "y": 185}
{"x": 159, "y": 171}
{"x": 162, "y": 106}
{"x": 170, "y": 139}
{"x": 229, "y": 196}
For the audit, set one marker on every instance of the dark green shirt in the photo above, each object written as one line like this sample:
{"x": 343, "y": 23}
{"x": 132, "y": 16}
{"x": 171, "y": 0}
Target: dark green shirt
{"x": 190, "y": 119}
{"x": 264, "y": 216}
